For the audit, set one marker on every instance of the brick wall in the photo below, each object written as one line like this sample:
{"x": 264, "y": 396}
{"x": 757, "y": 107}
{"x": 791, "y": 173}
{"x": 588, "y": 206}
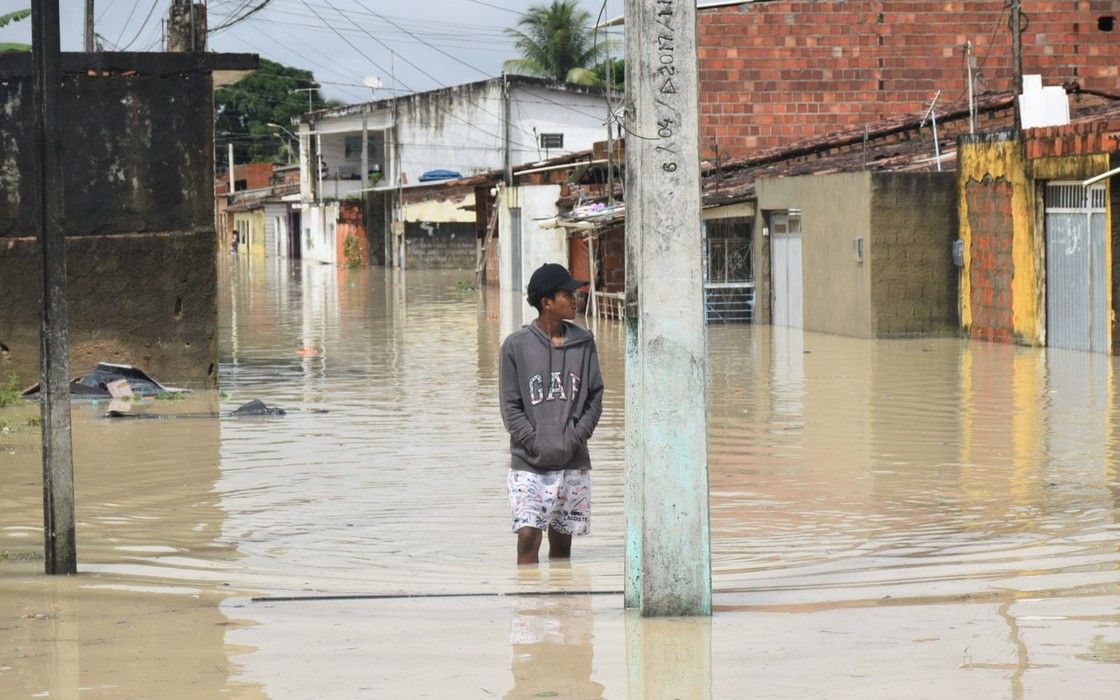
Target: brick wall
{"x": 1073, "y": 139}
{"x": 352, "y": 226}
{"x": 772, "y": 72}
{"x": 612, "y": 260}
{"x": 992, "y": 263}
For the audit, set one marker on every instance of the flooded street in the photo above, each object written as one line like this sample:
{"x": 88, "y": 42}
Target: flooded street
{"x": 922, "y": 518}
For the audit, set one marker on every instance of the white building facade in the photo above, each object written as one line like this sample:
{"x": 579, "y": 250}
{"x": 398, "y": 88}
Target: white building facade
{"x": 376, "y": 150}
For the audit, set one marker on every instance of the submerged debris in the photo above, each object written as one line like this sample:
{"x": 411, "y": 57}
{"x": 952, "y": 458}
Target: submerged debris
{"x": 256, "y": 407}
{"x": 108, "y": 380}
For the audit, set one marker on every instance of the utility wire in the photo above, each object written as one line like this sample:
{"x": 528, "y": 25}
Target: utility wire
{"x": 429, "y": 76}
{"x": 155, "y": 4}
{"x": 240, "y": 18}
{"x": 425, "y": 43}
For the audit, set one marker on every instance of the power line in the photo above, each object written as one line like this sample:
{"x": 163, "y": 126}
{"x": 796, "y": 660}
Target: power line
{"x": 431, "y": 46}
{"x": 155, "y": 4}
{"x": 135, "y": 4}
{"x": 496, "y": 7}
{"x": 240, "y": 18}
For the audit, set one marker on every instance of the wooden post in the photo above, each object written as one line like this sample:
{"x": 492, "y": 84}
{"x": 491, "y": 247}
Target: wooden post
{"x": 668, "y": 549}
{"x": 54, "y": 311}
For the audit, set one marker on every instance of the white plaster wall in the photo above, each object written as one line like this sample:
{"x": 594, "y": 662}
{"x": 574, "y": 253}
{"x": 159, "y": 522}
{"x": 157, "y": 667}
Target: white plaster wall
{"x": 459, "y": 130}
{"x": 319, "y": 226}
{"x": 450, "y": 210}
{"x": 538, "y": 246}
{"x": 581, "y": 118}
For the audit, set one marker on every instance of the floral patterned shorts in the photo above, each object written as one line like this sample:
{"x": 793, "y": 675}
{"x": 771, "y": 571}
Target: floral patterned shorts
{"x": 560, "y": 500}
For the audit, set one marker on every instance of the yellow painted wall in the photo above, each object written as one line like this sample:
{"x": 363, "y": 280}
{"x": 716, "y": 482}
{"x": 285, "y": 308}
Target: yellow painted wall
{"x": 1003, "y": 159}
{"x": 251, "y": 224}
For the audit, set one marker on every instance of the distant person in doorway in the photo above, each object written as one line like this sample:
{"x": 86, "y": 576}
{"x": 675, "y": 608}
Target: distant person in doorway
{"x": 234, "y": 241}
{"x": 551, "y": 395}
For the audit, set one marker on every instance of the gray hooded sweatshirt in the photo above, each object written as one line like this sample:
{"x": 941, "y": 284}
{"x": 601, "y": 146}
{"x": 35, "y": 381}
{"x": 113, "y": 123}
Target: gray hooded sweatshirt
{"x": 551, "y": 397}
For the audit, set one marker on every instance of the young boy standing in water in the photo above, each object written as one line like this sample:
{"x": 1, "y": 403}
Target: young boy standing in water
{"x": 551, "y": 395}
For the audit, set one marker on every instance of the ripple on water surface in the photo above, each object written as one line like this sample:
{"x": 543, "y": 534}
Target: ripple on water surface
{"x": 842, "y": 470}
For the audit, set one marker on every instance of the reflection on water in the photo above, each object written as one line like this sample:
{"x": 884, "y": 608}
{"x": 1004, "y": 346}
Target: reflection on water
{"x": 551, "y": 637}
{"x": 847, "y": 470}
{"x": 388, "y": 473}
{"x": 845, "y": 474}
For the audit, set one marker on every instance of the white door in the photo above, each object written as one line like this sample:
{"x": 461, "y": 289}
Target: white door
{"x": 785, "y": 255}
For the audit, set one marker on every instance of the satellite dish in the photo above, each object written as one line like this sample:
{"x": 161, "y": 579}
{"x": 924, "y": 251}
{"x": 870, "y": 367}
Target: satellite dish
{"x": 372, "y": 82}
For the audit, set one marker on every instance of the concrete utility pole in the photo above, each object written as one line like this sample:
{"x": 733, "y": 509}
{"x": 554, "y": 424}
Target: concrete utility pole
{"x": 668, "y": 551}
{"x": 59, "y": 545}
{"x": 1017, "y": 58}
{"x": 89, "y": 43}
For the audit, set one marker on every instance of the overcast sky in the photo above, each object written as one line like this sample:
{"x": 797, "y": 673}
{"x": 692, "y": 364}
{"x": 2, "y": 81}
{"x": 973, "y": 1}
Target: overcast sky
{"x": 410, "y": 45}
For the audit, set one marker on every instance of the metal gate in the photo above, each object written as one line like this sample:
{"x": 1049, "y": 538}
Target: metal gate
{"x": 785, "y": 254}
{"x": 728, "y": 271}
{"x": 1076, "y": 269}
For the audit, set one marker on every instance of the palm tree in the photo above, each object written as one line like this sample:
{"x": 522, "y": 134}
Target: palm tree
{"x": 557, "y": 42}
{"x": 7, "y": 19}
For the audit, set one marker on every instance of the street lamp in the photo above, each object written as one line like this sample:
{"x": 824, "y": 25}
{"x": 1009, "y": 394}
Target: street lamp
{"x": 294, "y": 137}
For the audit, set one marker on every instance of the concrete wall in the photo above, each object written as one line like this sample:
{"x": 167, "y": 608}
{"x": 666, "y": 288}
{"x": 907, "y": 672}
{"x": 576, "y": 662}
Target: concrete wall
{"x": 835, "y": 210}
{"x": 777, "y": 71}
{"x": 439, "y": 226}
{"x": 536, "y": 110}
{"x": 913, "y": 278}
{"x": 139, "y": 213}
{"x": 906, "y": 283}
{"x": 140, "y": 299}
{"x": 320, "y": 230}
{"x": 440, "y": 245}
{"x": 538, "y": 246}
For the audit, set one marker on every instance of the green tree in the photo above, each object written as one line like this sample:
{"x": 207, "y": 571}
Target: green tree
{"x": 7, "y": 19}
{"x": 274, "y": 94}
{"x": 556, "y": 41}
{"x": 612, "y": 71}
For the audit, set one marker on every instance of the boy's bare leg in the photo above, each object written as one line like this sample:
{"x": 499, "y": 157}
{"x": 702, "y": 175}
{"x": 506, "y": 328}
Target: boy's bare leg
{"x": 559, "y": 545}
{"x": 529, "y": 545}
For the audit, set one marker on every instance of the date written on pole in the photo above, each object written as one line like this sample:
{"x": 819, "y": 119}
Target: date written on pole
{"x": 667, "y": 87}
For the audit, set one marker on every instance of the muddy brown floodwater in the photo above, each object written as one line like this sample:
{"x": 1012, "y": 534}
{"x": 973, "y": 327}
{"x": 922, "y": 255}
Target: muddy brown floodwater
{"x": 924, "y": 518}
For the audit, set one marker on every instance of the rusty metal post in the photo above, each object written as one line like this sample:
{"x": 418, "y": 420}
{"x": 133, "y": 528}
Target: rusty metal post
{"x": 54, "y": 311}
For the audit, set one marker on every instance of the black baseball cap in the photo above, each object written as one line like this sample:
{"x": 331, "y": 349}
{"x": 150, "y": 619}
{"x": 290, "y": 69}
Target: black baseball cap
{"x": 550, "y": 278}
